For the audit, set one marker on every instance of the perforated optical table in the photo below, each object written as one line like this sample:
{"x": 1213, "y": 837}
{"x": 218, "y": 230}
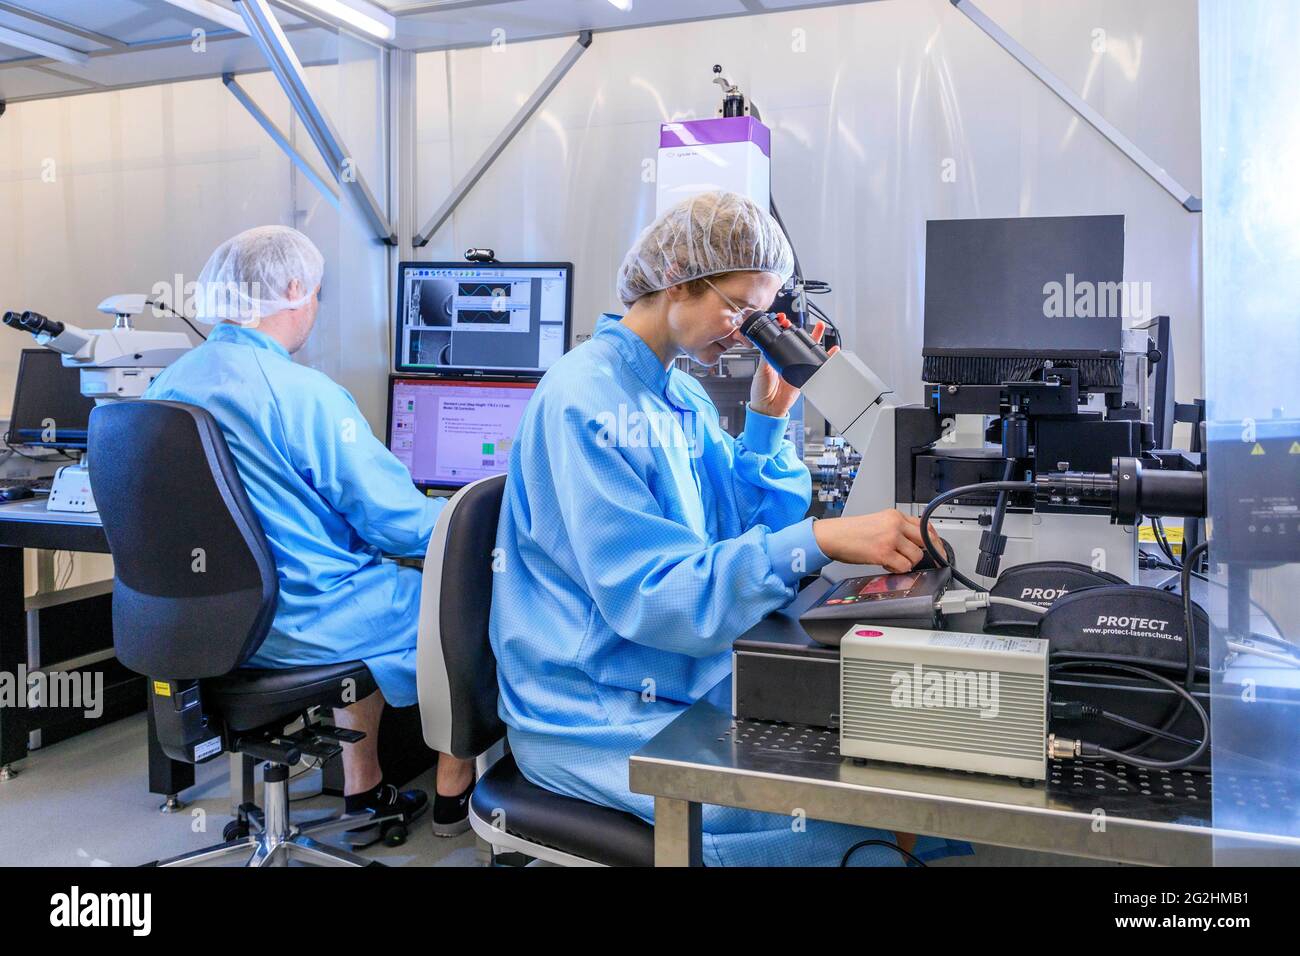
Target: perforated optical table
{"x": 1119, "y": 814}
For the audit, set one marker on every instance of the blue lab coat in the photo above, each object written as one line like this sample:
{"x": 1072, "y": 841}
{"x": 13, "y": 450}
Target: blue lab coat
{"x": 331, "y": 497}
{"x": 637, "y": 541}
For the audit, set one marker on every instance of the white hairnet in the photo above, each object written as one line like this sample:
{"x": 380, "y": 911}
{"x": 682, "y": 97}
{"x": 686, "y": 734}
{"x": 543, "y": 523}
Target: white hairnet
{"x": 705, "y": 235}
{"x": 249, "y": 276}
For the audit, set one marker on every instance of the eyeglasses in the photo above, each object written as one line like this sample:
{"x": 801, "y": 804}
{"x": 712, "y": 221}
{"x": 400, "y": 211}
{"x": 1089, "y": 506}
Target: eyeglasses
{"x": 741, "y": 313}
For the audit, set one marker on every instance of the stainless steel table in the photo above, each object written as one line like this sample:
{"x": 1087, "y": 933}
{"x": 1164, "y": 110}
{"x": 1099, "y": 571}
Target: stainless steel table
{"x": 1124, "y": 815}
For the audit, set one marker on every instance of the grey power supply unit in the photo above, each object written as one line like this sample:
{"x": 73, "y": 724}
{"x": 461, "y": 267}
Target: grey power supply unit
{"x": 945, "y": 699}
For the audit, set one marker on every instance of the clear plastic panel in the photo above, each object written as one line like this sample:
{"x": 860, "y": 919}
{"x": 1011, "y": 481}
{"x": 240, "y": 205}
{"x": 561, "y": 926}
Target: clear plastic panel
{"x": 1250, "y": 146}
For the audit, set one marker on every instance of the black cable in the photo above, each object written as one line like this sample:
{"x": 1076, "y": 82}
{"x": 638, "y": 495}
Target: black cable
{"x": 844, "y": 861}
{"x": 1263, "y": 611}
{"x": 810, "y": 286}
{"x": 957, "y": 493}
{"x": 178, "y": 315}
{"x": 776, "y": 214}
{"x": 1132, "y": 724}
{"x": 1158, "y": 529}
{"x": 988, "y": 562}
{"x": 1131, "y": 756}
{"x": 1185, "y": 582}
{"x": 1189, "y": 641}
{"x": 821, "y": 314}
{"x": 57, "y": 456}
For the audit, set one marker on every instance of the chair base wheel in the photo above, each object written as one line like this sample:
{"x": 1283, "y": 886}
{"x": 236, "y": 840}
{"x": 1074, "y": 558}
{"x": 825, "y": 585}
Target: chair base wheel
{"x": 394, "y": 833}
{"x": 235, "y": 830}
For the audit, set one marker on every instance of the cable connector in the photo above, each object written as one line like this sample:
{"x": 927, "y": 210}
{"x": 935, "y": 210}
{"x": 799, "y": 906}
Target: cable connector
{"x": 992, "y": 546}
{"x": 1073, "y": 710}
{"x": 1062, "y": 748}
{"x": 959, "y": 602}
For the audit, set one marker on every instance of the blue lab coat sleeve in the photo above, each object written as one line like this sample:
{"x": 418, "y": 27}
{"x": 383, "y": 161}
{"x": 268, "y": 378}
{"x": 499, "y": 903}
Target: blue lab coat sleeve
{"x": 656, "y": 581}
{"x": 770, "y": 485}
{"x": 352, "y": 470}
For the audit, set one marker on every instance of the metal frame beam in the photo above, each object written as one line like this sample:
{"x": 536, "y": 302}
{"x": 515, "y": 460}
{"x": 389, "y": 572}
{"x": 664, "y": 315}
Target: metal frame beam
{"x": 265, "y": 31}
{"x": 503, "y": 139}
{"x": 212, "y": 11}
{"x": 1185, "y": 197}
{"x": 89, "y": 35}
{"x": 55, "y": 51}
{"x": 307, "y": 10}
{"x": 281, "y": 139}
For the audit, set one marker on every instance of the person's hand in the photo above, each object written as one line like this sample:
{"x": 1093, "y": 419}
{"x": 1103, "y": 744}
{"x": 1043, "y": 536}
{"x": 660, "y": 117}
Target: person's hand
{"x": 770, "y": 394}
{"x": 889, "y": 538}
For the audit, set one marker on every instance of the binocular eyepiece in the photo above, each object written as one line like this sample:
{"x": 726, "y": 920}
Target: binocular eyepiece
{"x": 34, "y": 323}
{"x": 789, "y": 349}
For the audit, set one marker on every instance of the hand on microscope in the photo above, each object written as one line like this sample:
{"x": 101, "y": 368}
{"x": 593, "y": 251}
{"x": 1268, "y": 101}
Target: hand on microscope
{"x": 770, "y": 394}
{"x": 888, "y": 538}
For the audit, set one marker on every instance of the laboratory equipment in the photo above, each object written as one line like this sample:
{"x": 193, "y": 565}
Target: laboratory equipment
{"x": 450, "y": 432}
{"x": 945, "y": 699}
{"x": 113, "y": 364}
{"x": 492, "y": 319}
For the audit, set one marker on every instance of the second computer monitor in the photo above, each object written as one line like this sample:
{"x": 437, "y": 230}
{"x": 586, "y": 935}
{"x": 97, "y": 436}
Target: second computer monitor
{"x": 495, "y": 319}
{"x": 449, "y": 432}
{"x": 49, "y": 410}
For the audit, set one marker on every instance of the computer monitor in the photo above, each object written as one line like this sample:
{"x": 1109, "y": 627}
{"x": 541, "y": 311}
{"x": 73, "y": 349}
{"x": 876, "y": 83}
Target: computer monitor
{"x": 449, "y": 432}
{"x": 1002, "y": 296}
{"x": 49, "y": 410}
{"x": 497, "y": 319}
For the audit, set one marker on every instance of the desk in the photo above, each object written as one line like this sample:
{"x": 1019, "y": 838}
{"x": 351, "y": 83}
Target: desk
{"x": 705, "y": 756}
{"x": 27, "y": 524}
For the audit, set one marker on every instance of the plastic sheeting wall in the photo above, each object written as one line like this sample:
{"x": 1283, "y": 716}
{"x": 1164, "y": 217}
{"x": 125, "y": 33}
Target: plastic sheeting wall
{"x": 884, "y": 115}
{"x": 1252, "y": 268}
{"x": 115, "y": 192}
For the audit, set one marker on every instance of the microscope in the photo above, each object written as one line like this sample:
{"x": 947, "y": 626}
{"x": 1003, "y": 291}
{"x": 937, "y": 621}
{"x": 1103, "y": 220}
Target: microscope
{"x": 115, "y": 364}
{"x": 1064, "y": 513}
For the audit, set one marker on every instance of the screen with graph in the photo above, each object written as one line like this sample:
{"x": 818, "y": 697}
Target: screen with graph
{"x": 498, "y": 319}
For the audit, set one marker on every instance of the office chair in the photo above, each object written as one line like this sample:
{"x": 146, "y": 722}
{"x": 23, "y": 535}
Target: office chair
{"x": 457, "y": 681}
{"x": 195, "y": 593}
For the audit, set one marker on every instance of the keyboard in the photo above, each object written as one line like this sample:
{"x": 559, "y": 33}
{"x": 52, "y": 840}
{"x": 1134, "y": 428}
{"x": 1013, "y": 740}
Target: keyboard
{"x": 40, "y": 486}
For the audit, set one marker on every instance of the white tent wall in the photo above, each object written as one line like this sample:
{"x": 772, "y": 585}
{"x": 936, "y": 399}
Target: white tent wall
{"x": 350, "y": 342}
{"x": 118, "y": 191}
{"x": 869, "y": 105}
{"x": 884, "y": 115}
{"x": 114, "y": 192}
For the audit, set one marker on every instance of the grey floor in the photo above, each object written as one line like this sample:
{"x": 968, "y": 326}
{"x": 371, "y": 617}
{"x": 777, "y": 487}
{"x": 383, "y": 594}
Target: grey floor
{"x": 85, "y": 802}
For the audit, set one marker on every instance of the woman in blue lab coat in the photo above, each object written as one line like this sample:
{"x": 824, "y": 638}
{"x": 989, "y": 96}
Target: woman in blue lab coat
{"x": 639, "y": 539}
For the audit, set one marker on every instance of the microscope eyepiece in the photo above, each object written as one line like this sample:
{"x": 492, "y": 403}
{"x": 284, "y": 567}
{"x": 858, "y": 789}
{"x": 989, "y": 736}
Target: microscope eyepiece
{"x": 789, "y": 349}
{"x": 14, "y": 320}
{"x": 38, "y": 324}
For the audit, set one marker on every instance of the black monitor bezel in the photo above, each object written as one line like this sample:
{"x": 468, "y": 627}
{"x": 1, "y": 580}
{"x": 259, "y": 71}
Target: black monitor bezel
{"x": 12, "y": 439}
{"x": 478, "y": 380}
{"x": 400, "y": 368}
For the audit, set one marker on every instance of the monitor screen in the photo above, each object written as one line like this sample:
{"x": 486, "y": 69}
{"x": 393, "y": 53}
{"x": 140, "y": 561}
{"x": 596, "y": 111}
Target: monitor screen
{"x": 449, "y": 432}
{"x": 1044, "y": 286}
{"x": 49, "y": 409}
{"x": 469, "y": 318}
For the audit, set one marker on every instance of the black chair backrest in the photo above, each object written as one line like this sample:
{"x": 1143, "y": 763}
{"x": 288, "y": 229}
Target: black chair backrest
{"x": 463, "y": 609}
{"x": 196, "y": 586}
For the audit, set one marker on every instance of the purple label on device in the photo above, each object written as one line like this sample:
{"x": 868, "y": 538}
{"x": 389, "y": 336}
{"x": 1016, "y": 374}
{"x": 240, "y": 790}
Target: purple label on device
{"x": 714, "y": 132}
